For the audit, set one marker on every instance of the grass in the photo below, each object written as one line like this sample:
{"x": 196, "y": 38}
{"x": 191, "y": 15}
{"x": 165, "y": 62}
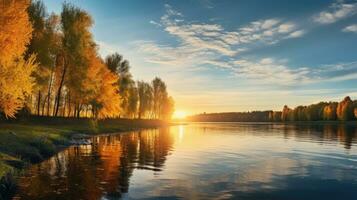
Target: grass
{"x": 33, "y": 140}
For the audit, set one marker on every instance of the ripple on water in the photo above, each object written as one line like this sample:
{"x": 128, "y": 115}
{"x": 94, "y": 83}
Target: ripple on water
{"x": 204, "y": 161}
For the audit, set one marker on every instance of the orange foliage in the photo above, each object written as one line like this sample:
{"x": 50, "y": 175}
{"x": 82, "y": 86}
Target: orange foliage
{"x": 15, "y": 73}
{"x": 15, "y": 83}
{"x": 108, "y": 96}
{"x": 101, "y": 86}
{"x": 16, "y": 29}
{"x": 345, "y": 109}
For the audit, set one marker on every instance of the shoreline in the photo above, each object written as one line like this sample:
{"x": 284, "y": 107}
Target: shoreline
{"x": 286, "y": 122}
{"x": 31, "y": 141}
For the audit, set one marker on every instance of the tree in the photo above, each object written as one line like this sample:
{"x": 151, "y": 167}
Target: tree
{"x": 285, "y": 115}
{"x": 159, "y": 96}
{"x": 168, "y": 108}
{"x": 108, "y": 96}
{"x": 330, "y": 111}
{"x": 145, "y": 98}
{"x": 116, "y": 64}
{"x": 113, "y": 62}
{"x": 44, "y": 45}
{"x": 15, "y": 72}
{"x": 344, "y": 109}
{"x": 16, "y": 83}
{"x": 16, "y": 29}
{"x": 76, "y": 39}
{"x": 132, "y": 102}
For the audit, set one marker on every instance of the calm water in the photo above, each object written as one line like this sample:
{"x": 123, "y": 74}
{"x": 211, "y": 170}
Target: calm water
{"x": 204, "y": 161}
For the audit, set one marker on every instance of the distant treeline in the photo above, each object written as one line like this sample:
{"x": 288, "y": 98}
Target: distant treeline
{"x": 346, "y": 110}
{"x": 255, "y": 116}
{"x": 50, "y": 66}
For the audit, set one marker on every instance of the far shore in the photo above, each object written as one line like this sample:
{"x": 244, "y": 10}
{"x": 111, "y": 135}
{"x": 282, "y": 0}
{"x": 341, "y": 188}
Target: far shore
{"x": 271, "y": 122}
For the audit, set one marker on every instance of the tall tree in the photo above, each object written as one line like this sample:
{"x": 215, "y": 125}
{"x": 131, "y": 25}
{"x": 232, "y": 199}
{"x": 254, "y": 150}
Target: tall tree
{"x": 15, "y": 72}
{"x": 132, "y": 102}
{"x": 168, "y": 108}
{"x": 43, "y": 45}
{"x": 159, "y": 96}
{"x": 117, "y": 64}
{"x": 344, "y": 109}
{"x": 76, "y": 38}
{"x": 145, "y": 98}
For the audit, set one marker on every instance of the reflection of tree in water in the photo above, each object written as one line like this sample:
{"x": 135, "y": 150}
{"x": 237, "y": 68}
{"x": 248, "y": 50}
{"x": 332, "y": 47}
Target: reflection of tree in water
{"x": 153, "y": 148}
{"x": 344, "y": 134}
{"x": 103, "y": 168}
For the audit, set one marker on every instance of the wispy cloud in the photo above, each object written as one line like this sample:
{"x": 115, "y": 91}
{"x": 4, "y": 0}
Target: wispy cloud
{"x": 279, "y": 73}
{"x": 181, "y": 56}
{"x": 268, "y": 70}
{"x": 351, "y": 28}
{"x": 199, "y": 44}
{"x": 336, "y": 12}
{"x": 202, "y": 43}
{"x": 267, "y": 31}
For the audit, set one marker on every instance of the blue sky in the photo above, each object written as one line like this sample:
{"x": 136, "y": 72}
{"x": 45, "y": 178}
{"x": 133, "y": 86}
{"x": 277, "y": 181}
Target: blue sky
{"x": 233, "y": 55}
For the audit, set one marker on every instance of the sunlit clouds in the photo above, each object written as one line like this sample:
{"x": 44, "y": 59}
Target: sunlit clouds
{"x": 336, "y": 12}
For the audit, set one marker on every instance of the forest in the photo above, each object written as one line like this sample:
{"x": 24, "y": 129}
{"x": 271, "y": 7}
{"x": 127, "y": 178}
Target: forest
{"x": 50, "y": 66}
{"x": 346, "y": 110}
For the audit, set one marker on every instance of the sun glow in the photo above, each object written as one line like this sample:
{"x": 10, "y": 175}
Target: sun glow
{"x": 179, "y": 114}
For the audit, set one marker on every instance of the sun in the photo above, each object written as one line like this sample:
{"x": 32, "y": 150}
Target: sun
{"x": 179, "y": 114}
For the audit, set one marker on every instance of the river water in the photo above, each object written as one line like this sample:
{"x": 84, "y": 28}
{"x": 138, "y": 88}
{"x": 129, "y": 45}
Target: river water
{"x": 204, "y": 161}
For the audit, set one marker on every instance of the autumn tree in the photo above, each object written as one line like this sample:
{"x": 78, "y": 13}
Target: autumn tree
{"x": 145, "y": 98}
{"x": 15, "y": 72}
{"x": 44, "y": 44}
{"x": 133, "y": 99}
{"x": 116, "y": 64}
{"x": 167, "y": 108}
{"x": 76, "y": 39}
{"x": 344, "y": 109}
{"x": 108, "y": 97}
{"x": 330, "y": 111}
{"x": 159, "y": 96}
{"x": 286, "y": 113}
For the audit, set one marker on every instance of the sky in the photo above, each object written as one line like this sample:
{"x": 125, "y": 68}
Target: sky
{"x": 233, "y": 55}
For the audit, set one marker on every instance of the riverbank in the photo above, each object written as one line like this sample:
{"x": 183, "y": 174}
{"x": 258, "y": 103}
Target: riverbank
{"x": 24, "y": 142}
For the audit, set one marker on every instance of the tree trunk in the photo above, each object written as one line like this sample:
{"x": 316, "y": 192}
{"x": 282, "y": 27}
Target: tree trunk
{"x": 58, "y": 96}
{"x": 69, "y": 104}
{"x": 38, "y": 102}
{"x": 64, "y": 107}
{"x": 49, "y": 92}
{"x": 43, "y": 106}
{"x": 79, "y": 110}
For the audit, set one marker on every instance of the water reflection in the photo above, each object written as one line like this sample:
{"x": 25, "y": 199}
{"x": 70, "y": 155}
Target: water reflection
{"x": 204, "y": 161}
{"x": 102, "y": 169}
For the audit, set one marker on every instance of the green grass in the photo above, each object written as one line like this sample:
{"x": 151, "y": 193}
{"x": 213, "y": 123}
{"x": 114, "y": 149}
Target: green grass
{"x": 35, "y": 139}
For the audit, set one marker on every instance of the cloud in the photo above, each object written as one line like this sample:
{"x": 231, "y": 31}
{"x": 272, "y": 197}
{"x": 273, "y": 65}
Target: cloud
{"x": 351, "y": 28}
{"x": 183, "y": 57}
{"x": 269, "y": 31}
{"x": 201, "y": 43}
{"x": 269, "y": 71}
{"x": 336, "y": 12}
{"x": 155, "y": 23}
{"x": 296, "y": 34}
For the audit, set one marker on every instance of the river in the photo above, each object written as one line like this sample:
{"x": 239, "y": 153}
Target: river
{"x": 204, "y": 161}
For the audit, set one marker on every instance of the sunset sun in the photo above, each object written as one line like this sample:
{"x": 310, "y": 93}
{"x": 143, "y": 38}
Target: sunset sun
{"x": 179, "y": 114}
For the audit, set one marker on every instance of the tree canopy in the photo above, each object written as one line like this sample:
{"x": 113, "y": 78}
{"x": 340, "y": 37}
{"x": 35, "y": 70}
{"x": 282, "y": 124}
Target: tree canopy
{"x": 50, "y": 66}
